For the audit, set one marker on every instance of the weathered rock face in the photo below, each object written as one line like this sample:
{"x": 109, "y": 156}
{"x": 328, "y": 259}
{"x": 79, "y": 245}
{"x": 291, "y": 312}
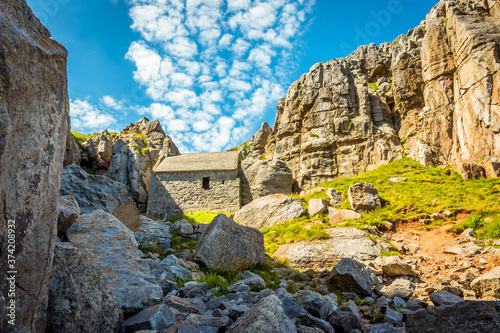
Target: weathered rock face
{"x": 129, "y": 156}
{"x": 34, "y": 112}
{"x": 437, "y": 88}
{"x": 487, "y": 285}
{"x": 114, "y": 249}
{"x": 263, "y": 177}
{"x": 228, "y": 246}
{"x": 73, "y": 154}
{"x": 269, "y": 211}
{"x": 466, "y": 317}
{"x": 68, "y": 209}
{"x": 265, "y": 316}
{"x": 324, "y": 254}
{"x": 99, "y": 192}
{"x": 79, "y": 299}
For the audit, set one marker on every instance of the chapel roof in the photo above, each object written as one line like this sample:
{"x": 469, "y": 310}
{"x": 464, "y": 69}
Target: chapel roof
{"x": 224, "y": 161}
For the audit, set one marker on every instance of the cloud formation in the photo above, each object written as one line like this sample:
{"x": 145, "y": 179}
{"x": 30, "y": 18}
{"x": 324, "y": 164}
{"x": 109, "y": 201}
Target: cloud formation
{"x": 212, "y": 67}
{"x": 87, "y": 117}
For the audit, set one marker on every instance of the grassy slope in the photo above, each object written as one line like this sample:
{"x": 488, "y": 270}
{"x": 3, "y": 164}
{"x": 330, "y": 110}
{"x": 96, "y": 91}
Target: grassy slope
{"x": 404, "y": 201}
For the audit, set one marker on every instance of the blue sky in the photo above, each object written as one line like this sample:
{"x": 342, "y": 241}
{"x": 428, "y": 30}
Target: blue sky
{"x": 210, "y": 70}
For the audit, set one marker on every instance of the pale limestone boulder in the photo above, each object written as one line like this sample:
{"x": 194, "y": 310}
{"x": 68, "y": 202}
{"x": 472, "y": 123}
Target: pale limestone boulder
{"x": 228, "y": 246}
{"x": 260, "y": 178}
{"x": 267, "y": 316}
{"x": 318, "y": 206}
{"x": 269, "y": 211}
{"x": 68, "y": 209}
{"x": 364, "y": 197}
{"x": 401, "y": 288}
{"x": 79, "y": 298}
{"x": 338, "y": 215}
{"x": 114, "y": 249}
{"x": 487, "y": 285}
{"x": 393, "y": 266}
{"x": 34, "y": 124}
{"x": 324, "y": 254}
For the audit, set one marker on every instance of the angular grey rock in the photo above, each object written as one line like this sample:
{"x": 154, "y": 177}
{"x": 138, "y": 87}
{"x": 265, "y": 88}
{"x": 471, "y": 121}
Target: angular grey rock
{"x": 317, "y": 206}
{"x": 73, "y": 154}
{"x": 353, "y": 276}
{"x": 260, "y": 178}
{"x": 34, "y": 122}
{"x": 194, "y": 290}
{"x": 153, "y": 234}
{"x": 269, "y": 211}
{"x": 336, "y": 197}
{"x": 99, "y": 192}
{"x": 306, "y": 319}
{"x": 68, "y": 212}
{"x": 401, "y": 288}
{"x": 157, "y": 317}
{"x": 393, "y": 317}
{"x": 363, "y": 197}
{"x": 99, "y": 151}
{"x": 384, "y": 328}
{"x": 445, "y": 298}
{"x": 254, "y": 283}
{"x": 317, "y": 305}
{"x": 267, "y": 316}
{"x": 323, "y": 254}
{"x": 188, "y": 305}
{"x": 195, "y": 323}
{"x": 346, "y": 318}
{"x": 228, "y": 246}
{"x": 464, "y": 317}
{"x": 79, "y": 299}
{"x": 113, "y": 247}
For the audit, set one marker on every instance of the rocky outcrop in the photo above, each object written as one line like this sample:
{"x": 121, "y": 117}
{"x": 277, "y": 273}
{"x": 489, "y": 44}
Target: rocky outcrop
{"x": 324, "y": 254}
{"x": 34, "y": 112}
{"x": 129, "y": 156}
{"x": 433, "y": 90}
{"x": 269, "y": 211}
{"x": 260, "y": 178}
{"x": 99, "y": 192}
{"x": 73, "y": 155}
{"x": 487, "y": 285}
{"x": 228, "y": 246}
{"x": 113, "y": 248}
{"x": 79, "y": 299}
{"x": 352, "y": 275}
{"x": 153, "y": 234}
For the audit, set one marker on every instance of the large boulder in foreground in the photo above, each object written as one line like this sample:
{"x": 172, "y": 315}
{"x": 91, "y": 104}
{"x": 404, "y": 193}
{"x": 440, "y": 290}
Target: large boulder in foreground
{"x": 267, "y": 316}
{"x": 363, "y": 197}
{"x": 34, "y": 122}
{"x": 353, "y": 276}
{"x": 264, "y": 177}
{"x": 269, "y": 211}
{"x": 324, "y": 254}
{"x": 228, "y": 246}
{"x": 100, "y": 192}
{"x": 113, "y": 247}
{"x": 464, "y": 317}
{"x": 79, "y": 299}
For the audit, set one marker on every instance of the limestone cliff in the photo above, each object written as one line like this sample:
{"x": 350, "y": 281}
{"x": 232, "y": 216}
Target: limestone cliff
{"x": 129, "y": 156}
{"x": 433, "y": 93}
{"x": 34, "y": 111}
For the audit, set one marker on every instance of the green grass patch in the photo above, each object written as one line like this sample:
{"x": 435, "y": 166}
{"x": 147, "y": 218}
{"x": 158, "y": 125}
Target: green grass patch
{"x": 79, "y": 137}
{"x": 485, "y": 224}
{"x": 391, "y": 254}
{"x": 197, "y": 217}
{"x": 373, "y": 85}
{"x": 312, "y": 135}
{"x": 291, "y": 232}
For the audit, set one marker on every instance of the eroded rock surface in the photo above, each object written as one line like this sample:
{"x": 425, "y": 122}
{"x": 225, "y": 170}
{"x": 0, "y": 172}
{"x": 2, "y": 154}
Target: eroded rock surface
{"x": 34, "y": 119}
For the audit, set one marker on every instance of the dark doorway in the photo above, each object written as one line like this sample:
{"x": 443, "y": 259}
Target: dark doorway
{"x": 206, "y": 183}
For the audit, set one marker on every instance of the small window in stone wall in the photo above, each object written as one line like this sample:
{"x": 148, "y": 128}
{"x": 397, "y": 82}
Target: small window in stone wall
{"x": 206, "y": 183}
